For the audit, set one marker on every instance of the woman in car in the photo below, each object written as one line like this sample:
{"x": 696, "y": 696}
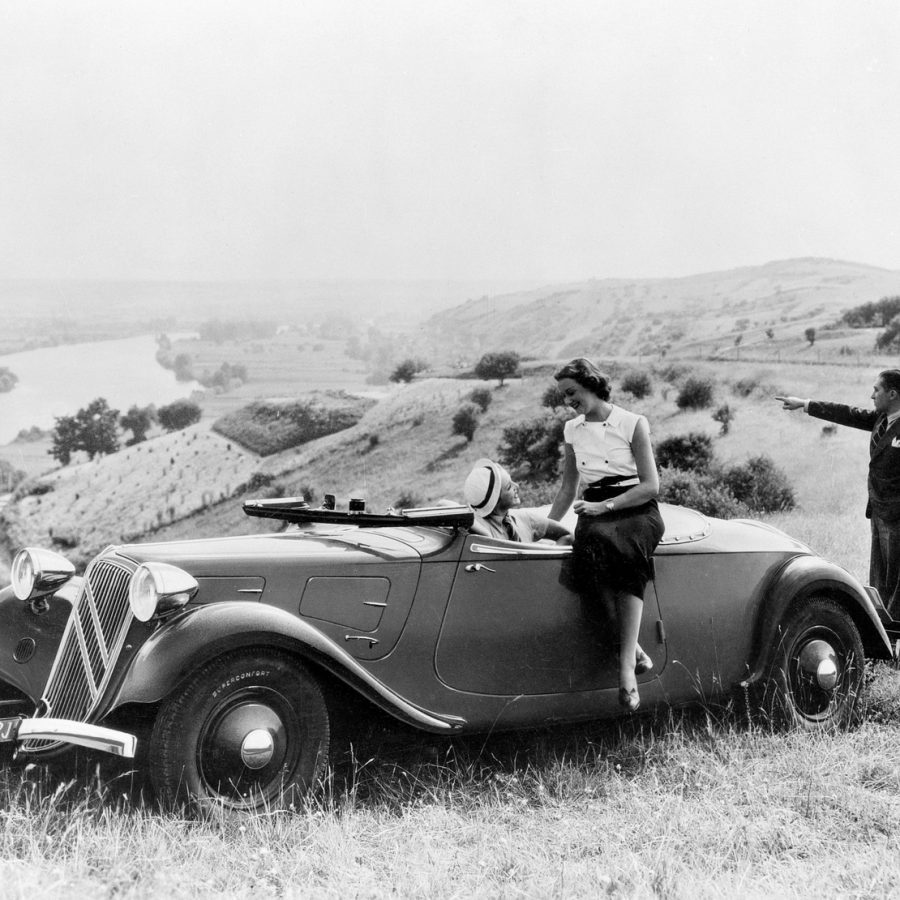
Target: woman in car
{"x": 619, "y": 524}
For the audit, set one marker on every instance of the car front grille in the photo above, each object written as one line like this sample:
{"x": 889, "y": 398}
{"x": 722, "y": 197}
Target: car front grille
{"x": 89, "y": 648}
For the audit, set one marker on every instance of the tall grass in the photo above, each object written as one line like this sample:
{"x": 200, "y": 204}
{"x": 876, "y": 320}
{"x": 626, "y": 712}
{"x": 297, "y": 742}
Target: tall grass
{"x": 694, "y": 804}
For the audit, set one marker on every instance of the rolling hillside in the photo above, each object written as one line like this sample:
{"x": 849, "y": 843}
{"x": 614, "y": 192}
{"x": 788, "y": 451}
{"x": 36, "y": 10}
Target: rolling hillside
{"x": 699, "y": 315}
{"x": 403, "y": 452}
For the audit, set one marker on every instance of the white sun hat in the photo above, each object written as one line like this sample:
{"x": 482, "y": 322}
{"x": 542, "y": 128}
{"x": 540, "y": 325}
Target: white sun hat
{"x": 482, "y": 487}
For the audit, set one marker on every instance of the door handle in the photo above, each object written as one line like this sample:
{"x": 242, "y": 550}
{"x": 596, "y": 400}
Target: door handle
{"x": 479, "y": 567}
{"x": 361, "y": 637}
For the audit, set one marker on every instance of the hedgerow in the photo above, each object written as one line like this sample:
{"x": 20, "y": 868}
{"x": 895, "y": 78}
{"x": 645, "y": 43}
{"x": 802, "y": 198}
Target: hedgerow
{"x": 266, "y": 427}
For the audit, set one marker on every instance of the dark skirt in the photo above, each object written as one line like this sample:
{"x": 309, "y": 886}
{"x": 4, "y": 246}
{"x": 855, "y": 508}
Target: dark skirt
{"x": 615, "y": 551}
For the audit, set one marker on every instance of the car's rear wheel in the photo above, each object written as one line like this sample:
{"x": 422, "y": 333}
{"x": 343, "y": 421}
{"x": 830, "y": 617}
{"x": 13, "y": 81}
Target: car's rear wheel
{"x": 818, "y": 672}
{"x": 247, "y": 732}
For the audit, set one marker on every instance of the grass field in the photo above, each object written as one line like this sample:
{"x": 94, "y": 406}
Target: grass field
{"x": 689, "y": 805}
{"x": 694, "y": 805}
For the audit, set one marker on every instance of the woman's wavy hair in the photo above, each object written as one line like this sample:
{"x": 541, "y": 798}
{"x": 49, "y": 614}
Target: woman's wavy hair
{"x": 585, "y": 373}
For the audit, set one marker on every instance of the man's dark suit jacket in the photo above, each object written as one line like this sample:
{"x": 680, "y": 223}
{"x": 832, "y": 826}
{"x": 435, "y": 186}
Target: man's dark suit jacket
{"x": 884, "y": 457}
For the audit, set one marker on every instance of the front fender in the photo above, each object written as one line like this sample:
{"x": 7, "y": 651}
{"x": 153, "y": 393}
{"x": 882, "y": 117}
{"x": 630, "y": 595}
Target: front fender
{"x": 178, "y": 648}
{"x": 804, "y": 576}
{"x": 30, "y": 636}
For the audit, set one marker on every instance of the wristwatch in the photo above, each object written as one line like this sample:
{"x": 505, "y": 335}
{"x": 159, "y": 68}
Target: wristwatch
{"x": 610, "y": 506}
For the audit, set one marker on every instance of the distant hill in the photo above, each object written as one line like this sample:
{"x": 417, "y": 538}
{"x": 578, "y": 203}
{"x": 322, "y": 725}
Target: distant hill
{"x": 695, "y": 315}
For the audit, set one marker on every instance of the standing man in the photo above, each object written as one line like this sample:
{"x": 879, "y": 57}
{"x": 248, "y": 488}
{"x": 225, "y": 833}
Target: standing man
{"x": 883, "y": 507}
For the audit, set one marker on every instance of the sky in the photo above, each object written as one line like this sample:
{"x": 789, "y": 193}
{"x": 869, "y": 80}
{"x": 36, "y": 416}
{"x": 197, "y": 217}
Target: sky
{"x": 505, "y": 140}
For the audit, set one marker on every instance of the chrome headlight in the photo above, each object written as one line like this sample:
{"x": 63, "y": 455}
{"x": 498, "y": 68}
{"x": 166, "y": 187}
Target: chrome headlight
{"x": 159, "y": 588}
{"x": 35, "y": 572}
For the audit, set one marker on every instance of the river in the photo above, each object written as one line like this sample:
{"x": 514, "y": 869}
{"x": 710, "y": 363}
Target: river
{"x": 58, "y": 381}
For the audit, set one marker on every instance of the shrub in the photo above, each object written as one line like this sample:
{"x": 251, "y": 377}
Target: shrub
{"x": 406, "y": 370}
{"x": 267, "y": 427}
{"x": 692, "y": 451}
{"x": 407, "y": 500}
{"x": 761, "y": 485}
{"x": 724, "y": 415}
{"x": 255, "y": 482}
{"x": 553, "y": 398}
{"x": 673, "y": 372}
{"x": 465, "y": 421}
{"x": 534, "y": 446}
{"x": 703, "y": 491}
{"x": 178, "y": 415}
{"x": 744, "y": 387}
{"x": 482, "y": 398}
{"x": 696, "y": 393}
{"x": 637, "y": 383}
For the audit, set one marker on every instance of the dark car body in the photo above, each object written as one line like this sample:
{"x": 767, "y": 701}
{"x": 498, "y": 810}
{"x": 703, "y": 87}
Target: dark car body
{"x": 445, "y": 629}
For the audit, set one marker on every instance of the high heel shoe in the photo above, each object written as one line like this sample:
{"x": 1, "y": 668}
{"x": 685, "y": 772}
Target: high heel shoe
{"x": 643, "y": 663}
{"x": 629, "y": 699}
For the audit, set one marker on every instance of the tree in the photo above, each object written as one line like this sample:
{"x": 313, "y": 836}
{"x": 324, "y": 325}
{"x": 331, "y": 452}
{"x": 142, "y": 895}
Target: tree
{"x": 178, "y": 415}
{"x": 8, "y": 379}
{"x": 138, "y": 420}
{"x": 497, "y": 365}
{"x": 183, "y": 366}
{"x": 93, "y": 429}
{"x": 99, "y": 428}
{"x": 465, "y": 421}
{"x": 408, "y": 369}
{"x": 889, "y": 338}
{"x": 65, "y": 439}
{"x": 810, "y": 335}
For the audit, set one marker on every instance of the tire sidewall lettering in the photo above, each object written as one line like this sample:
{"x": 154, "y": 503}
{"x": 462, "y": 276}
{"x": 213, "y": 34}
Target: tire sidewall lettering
{"x": 238, "y": 679}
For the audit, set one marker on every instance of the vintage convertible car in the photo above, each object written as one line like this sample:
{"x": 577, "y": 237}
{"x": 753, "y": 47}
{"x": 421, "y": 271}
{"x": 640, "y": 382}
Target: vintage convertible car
{"x": 228, "y": 658}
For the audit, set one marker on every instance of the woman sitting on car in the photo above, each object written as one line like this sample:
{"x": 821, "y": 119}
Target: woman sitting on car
{"x": 619, "y": 523}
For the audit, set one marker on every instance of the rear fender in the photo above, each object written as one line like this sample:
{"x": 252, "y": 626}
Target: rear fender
{"x": 178, "y": 648}
{"x": 805, "y": 576}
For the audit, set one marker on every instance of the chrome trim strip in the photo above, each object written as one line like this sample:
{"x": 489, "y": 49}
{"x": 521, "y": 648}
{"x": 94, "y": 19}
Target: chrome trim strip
{"x": 119, "y": 743}
{"x": 523, "y": 550}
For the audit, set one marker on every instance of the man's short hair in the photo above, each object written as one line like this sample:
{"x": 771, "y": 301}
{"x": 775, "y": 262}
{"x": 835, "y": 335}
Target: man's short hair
{"x": 890, "y": 378}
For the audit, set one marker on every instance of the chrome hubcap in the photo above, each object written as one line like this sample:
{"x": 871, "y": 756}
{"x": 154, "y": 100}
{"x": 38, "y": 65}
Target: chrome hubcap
{"x": 257, "y": 748}
{"x": 827, "y": 674}
{"x": 819, "y": 661}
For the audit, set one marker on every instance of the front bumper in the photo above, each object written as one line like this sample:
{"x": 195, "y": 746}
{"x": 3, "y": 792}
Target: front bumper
{"x": 119, "y": 743}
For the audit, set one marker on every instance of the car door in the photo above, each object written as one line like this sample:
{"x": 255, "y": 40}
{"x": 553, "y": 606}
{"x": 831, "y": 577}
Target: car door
{"x": 512, "y": 627}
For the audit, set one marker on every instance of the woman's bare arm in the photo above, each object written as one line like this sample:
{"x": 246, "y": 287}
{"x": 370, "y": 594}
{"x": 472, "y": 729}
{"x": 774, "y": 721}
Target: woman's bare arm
{"x": 567, "y": 488}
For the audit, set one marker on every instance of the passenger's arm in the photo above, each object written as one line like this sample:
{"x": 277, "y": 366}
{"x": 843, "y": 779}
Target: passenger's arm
{"x": 567, "y": 488}
{"x": 555, "y": 531}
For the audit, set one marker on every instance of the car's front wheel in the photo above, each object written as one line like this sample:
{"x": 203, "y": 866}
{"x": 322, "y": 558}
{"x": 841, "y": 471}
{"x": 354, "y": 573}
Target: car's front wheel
{"x": 818, "y": 672}
{"x": 246, "y": 732}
